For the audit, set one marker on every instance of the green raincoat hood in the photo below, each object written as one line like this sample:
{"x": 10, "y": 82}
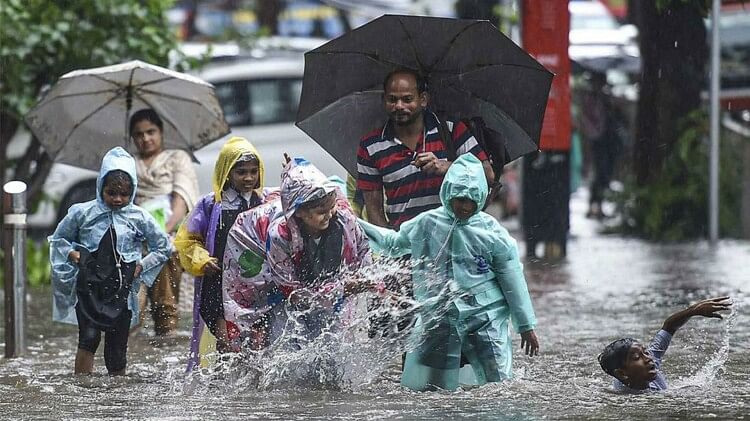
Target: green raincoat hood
{"x": 465, "y": 178}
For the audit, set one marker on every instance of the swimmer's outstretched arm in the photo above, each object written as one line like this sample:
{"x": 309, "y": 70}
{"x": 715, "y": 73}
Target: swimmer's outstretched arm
{"x": 705, "y": 308}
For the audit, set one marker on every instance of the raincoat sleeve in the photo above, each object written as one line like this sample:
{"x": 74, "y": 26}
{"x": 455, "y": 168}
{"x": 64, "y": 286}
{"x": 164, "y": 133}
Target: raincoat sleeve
{"x": 64, "y": 272}
{"x": 280, "y": 260}
{"x": 246, "y": 293}
{"x": 387, "y": 241}
{"x": 159, "y": 249}
{"x": 509, "y": 272}
{"x": 190, "y": 240}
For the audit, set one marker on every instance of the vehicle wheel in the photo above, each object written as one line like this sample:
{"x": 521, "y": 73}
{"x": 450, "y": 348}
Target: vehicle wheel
{"x": 81, "y": 192}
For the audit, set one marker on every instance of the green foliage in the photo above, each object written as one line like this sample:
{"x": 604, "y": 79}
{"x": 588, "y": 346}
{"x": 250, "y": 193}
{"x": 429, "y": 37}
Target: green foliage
{"x": 38, "y": 269}
{"x": 40, "y": 40}
{"x": 675, "y": 207}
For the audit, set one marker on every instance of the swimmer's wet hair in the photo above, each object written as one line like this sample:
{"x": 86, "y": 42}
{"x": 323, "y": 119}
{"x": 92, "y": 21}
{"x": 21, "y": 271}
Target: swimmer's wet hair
{"x": 614, "y": 354}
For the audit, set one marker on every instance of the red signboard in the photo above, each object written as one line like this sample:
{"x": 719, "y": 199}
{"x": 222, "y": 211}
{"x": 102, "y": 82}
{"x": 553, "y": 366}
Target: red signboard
{"x": 545, "y": 27}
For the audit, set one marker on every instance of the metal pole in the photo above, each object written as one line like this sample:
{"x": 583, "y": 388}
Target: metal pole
{"x": 14, "y": 262}
{"x": 713, "y": 176}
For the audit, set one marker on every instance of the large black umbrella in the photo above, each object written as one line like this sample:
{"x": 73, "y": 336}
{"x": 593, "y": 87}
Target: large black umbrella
{"x": 472, "y": 70}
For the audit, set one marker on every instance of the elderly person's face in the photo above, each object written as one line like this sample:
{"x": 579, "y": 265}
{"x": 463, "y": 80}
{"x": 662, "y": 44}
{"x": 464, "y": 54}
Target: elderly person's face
{"x": 147, "y": 137}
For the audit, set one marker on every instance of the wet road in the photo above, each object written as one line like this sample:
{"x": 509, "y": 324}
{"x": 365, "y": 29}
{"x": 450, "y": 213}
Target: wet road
{"x": 608, "y": 287}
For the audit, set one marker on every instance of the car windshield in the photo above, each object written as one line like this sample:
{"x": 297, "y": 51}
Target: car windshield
{"x": 260, "y": 101}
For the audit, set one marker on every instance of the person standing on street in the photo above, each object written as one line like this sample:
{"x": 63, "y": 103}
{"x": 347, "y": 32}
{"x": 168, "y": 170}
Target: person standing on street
{"x": 168, "y": 188}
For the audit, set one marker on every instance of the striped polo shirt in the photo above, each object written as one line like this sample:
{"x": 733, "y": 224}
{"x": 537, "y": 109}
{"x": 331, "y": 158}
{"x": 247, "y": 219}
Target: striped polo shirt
{"x": 383, "y": 162}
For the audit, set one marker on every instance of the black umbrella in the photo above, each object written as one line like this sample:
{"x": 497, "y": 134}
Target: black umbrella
{"x": 472, "y": 70}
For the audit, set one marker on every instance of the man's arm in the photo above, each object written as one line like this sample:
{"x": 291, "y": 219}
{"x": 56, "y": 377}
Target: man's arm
{"x": 489, "y": 173}
{"x": 705, "y": 308}
{"x": 374, "y": 207}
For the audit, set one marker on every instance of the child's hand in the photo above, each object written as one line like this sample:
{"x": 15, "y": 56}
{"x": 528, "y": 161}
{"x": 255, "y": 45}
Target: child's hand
{"x": 211, "y": 267}
{"x": 530, "y": 342}
{"x": 138, "y": 270}
{"x": 709, "y": 307}
{"x": 74, "y": 256}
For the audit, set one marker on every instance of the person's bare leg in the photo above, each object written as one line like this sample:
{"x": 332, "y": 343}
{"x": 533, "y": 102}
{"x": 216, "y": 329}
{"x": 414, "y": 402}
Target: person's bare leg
{"x": 222, "y": 339}
{"x": 84, "y": 362}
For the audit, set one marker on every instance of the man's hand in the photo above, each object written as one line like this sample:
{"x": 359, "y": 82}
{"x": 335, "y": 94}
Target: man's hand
{"x": 74, "y": 256}
{"x": 530, "y": 342}
{"x": 138, "y": 270}
{"x": 709, "y": 307}
{"x": 428, "y": 163}
{"x": 211, "y": 267}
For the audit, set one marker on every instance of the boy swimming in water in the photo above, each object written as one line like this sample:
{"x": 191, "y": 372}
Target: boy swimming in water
{"x": 637, "y": 368}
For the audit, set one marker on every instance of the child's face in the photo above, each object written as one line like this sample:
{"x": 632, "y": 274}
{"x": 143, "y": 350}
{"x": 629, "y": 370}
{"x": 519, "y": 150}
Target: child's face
{"x": 316, "y": 220}
{"x": 117, "y": 195}
{"x": 463, "y": 207}
{"x": 639, "y": 367}
{"x": 244, "y": 176}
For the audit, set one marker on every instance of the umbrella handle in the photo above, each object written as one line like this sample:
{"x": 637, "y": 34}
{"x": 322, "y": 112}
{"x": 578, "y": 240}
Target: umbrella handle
{"x": 128, "y": 106}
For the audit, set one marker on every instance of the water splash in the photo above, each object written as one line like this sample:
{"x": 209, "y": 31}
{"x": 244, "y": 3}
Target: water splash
{"x": 708, "y": 372}
{"x": 347, "y": 350}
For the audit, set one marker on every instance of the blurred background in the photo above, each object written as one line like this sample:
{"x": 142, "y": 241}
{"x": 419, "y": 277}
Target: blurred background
{"x": 626, "y": 74}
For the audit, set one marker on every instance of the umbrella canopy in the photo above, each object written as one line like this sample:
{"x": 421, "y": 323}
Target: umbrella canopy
{"x": 471, "y": 68}
{"x": 86, "y": 113}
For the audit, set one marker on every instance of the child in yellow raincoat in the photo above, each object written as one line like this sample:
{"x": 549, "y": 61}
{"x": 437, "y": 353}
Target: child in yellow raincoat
{"x": 237, "y": 187}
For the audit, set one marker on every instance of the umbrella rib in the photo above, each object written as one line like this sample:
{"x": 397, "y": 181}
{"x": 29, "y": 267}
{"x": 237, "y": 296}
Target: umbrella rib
{"x": 452, "y": 42}
{"x": 166, "y": 95}
{"x": 374, "y": 57}
{"x": 155, "y": 81}
{"x": 413, "y": 47}
{"x": 77, "y": 125}
{"x": 485, "y": 66}
{"x": 103, "y": 79}
{"x": 474, "y": 95}
{"x": 164, "y": 117}
{"x": 63, "y": 96}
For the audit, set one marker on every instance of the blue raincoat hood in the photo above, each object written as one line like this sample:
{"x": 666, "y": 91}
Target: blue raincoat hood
{"x": 465, "y": 178}
{"x": 116, "y": 159}
{"x": 84, "y": 226}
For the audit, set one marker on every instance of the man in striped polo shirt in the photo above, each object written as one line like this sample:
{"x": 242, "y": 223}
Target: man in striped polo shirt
{"x": 407, "y": 157}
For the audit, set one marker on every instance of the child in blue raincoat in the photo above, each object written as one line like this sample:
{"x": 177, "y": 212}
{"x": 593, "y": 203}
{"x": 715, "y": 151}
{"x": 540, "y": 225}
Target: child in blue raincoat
{"x": 469, "y": 281}
{"x": 98, "y": 264}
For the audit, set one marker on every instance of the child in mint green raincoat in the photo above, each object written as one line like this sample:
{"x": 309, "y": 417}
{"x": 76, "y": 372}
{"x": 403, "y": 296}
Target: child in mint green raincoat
{"x": 480, "y": 285}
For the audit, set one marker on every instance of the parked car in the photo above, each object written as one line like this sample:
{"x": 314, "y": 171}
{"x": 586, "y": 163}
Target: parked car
{"x": 259, "y": 97}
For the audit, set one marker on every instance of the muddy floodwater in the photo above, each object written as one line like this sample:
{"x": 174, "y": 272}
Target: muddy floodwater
{"x": 607, "y": 288}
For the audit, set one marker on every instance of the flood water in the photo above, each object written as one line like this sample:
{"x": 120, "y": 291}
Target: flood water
{"x": 608, "y": 287}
